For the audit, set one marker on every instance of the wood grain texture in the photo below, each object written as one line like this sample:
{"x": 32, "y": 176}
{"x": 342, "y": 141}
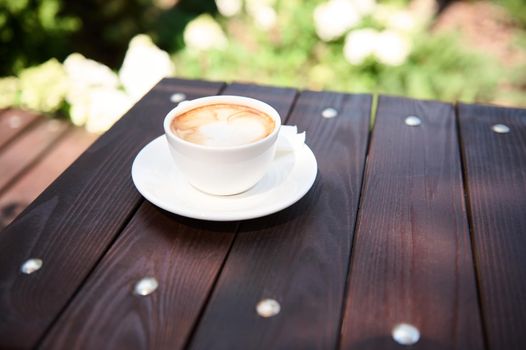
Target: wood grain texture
{"x": 184, "y": 255}
{"x": 495, "y": 168}
{"x": 28, "y": 148}
{"x": 298, "y": 256}
{"x": 411, "y": 260}
{"x": 13, "y": 122}
{"x": 28, "y": 186}
{"x": 280, "y": 98}
{"x": 73, "y": 222}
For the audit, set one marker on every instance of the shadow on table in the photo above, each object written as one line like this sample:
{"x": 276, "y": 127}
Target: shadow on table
{"x": 296, "y": 211}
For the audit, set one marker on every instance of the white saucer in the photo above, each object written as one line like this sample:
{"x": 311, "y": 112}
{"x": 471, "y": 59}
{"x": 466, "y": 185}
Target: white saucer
{"x": 291, "y": 175}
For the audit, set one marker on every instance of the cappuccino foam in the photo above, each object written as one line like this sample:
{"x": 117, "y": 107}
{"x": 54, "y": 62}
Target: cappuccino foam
{"x": 223, "y": 125}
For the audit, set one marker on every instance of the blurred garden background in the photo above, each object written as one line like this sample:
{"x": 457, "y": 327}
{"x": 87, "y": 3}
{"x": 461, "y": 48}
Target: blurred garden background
{"x": 91, "y": 60}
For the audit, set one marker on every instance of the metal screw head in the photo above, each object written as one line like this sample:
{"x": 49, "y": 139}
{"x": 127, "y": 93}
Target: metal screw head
{"x": 500, "y": 128}
{"x": 405, "y": 334}
{"x": 268, "y": 308}
{"x": 329, "y": 113}
{"x": 14, "y": 121}
{"x": 146, "y": 286}
{"x": 31, "y": 265}
{"x": 412, "y": 121}
{"x": 177, "y": 97}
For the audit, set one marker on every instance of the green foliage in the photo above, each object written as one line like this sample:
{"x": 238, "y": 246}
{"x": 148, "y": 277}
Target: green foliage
{"x": 43, "y": 87}
{"x": 440, "y": 67}
{"x": 289, "y": 54}
{"x": 516, "y": 8}
{"x": 292, "y": 55}
{"x": 107, "y": 26}
{"x": 32, "y": 31}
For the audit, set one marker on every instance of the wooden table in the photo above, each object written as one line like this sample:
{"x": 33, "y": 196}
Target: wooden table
{"x": 423, "y": 225}
{"x": 34, "y": 151}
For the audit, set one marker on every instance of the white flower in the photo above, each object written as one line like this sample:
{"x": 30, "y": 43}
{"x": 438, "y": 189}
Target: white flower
{"x": 229, "y": 8}
{"x": 402, "y": 21}
{"x": 8, "y": 91}
{"x": 364, "y": 7}
{"x": 397, "y": 19}
{"x": 392, "y": 48}
{"x": 204, "y": 33}
{"x": 43, "y": 87}
{"x": 106, "y": 106}
{"x": 335, "y": 17}
{"x": 99, "y": 108}
{"x": 388, "y": 47}
{"x": 264, "y": 15}
{"x": 79, "y": 108}
{"x": 83, "y": 72}
{"x": 359, "y": 44}
{"x": 144, "y": 65}
{"x": 382, "y": 13}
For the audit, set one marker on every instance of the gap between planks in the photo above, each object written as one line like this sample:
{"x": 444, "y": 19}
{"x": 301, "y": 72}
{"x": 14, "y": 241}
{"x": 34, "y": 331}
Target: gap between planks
{"x": 193, "y": 331}
{"x": 469, "y": 214}
{"x": 37, "y": 157}
{"x": 124, "y": 224}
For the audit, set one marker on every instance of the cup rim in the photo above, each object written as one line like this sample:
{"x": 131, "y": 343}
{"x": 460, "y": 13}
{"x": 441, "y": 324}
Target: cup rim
{"x": 187, "y": 105}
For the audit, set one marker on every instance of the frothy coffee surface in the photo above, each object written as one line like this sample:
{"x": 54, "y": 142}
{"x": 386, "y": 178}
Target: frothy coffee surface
{"x": 223, "y": 125}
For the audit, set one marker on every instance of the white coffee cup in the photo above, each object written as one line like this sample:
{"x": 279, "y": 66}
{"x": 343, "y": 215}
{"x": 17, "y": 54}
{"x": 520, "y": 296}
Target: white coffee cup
{"x": 222, "y": 170}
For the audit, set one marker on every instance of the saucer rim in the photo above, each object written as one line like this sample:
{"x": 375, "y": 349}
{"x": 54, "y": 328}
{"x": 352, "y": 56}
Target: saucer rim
{"x": 234, "y": 215}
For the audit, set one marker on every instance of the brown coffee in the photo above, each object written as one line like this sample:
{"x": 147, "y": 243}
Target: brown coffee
{"x": 223, "y": 125}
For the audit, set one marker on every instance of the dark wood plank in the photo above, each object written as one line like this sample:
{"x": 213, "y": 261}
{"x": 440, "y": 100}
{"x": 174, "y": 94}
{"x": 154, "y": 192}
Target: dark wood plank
{"x": 74, "y": 221}
{"x": 495, "y": 169}
{"x": 279, "y": 98}
{"x": 43, "y": 173}
{"x": 13, "y": 122}
{"x": 184, "y": 255}
{"x": 28, "y": 148}
{"x": 299, "y": 256}
{"x": 411, "y": 260}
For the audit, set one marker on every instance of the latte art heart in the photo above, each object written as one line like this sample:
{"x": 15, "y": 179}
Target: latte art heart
{"x": 223, "y": 125}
